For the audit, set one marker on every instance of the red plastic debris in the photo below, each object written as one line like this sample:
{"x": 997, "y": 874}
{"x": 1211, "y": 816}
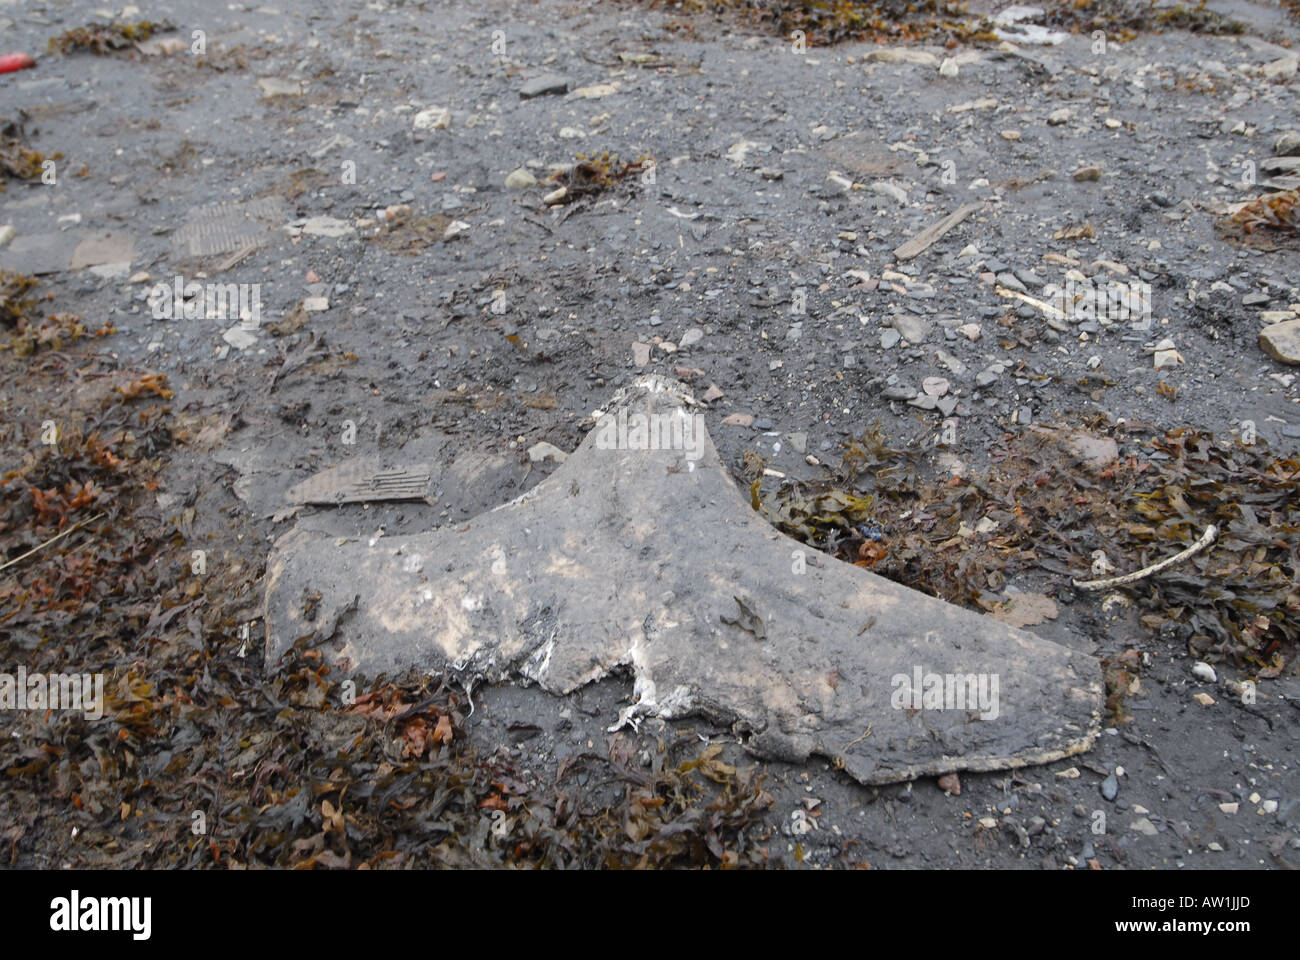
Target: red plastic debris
{"x": 16, "y": 61}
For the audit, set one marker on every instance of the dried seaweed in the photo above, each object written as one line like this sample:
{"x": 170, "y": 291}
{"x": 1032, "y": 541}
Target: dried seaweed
{"x": 1041, "y": 507}
{"x": 14, "y": 306}
{"x": 18, "y": 160}
{"x": 107, "y": 38}
{"x": 409, "y": 232}
{"x": 825, "y": 22}
{"x": 1124, "y": 19}
{"x": 203, "y": 760}
{"x": 594, "y": 175}
{"x": 1279, "y": 212}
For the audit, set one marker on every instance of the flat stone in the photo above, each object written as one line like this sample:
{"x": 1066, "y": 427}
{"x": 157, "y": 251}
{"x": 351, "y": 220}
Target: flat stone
{"x": 327, "y": 227}
{"x": 891, "y": 190}
{"x": 520, "y": 179}
{"x": 898, "y": 393}
{"x": 693, "y": 335}
{"x": 546, "y": 451}
{"x": 540, "y": 86}
{"x": 1163, "y": 359}
{"x": 595, "y": 91}
{"x": 103, "y": 248}
{"x": 902, "y": 55}
{"x": 644, "y": 555}
{"x": 275, "y": 87}
{"x": 738, "y": 420}
{"x": 889, "y": 338}
{"x": 1144, "y": 826}
{"x": 1096, "y": 453}
{"x": 38, "y": 254}
{"x": 640, "y": 353}
{"x": 432, "y": 118}
{"x": 1011, "y": 281}
{"x": 1281, "y": 341}
{"x": 239, "y": 337}
{"x": 1284, "y": 68}
{"x": 934, "y": 386}
{"x": 952, "y": 362}
{"x": 1288, "y": 144}
{"x": 912, "y": 328}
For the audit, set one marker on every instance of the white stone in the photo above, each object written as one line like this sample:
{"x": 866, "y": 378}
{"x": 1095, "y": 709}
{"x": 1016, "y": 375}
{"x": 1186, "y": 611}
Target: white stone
{"x": 434, "y": 118}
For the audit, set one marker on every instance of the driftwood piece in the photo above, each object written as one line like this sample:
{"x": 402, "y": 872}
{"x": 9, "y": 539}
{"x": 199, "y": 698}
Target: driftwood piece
{"x": 922, "y": 241}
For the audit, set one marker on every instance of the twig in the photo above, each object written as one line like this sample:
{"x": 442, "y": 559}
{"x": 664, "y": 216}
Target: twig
{"x": 859, "y": 739}
{"x": 57, "y": 536}
{"x": 1206, "y": 539}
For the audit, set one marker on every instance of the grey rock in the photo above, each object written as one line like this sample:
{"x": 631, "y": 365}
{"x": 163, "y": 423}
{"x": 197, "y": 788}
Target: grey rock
{"x": 1144, "y": 826}
{"x": 1110, "y": 787}
{"x": 1288, "y": 144}
{"x": 522, "y": 594}
{"x": 547, "y": 83}
{"x": 912, "y": 328}
{"x": 1281, "y": 341}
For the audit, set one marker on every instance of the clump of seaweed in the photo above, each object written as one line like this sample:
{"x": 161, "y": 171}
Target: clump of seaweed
{"x": 405, "y": 231}
{"x": 55, "y": 332}
{"x": 1043, "y": 507}
{"x": 100, "y": 38}
{"x": 14, "y": 304}
{"x": 1273, "y": 211}
{"x": 16, "y": 158}
{"x": 1124, "y": 19}
{"x": 593, "y": 175}
{"x": 31, "y": 334}
{"x": 825, "y": 22}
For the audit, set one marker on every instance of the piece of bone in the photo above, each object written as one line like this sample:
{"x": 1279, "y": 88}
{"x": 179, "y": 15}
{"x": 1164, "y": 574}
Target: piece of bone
{"x": 651, "y": 559}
